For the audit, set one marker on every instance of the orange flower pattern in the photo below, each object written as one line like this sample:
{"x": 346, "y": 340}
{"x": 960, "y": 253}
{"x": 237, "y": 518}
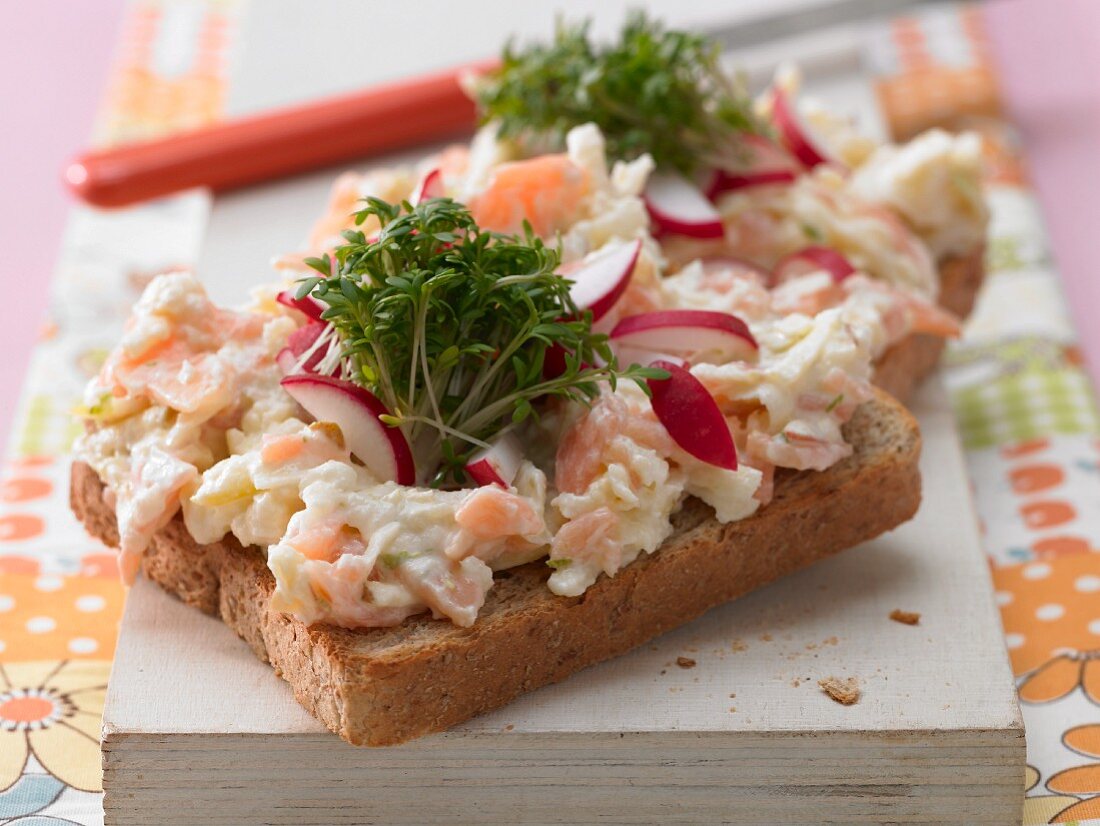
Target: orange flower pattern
{"x": 1028, "y": 421}
{"x": 60, "y": 597}
{"x": 1051, "y": 615}
{"x": 52, "y": 710}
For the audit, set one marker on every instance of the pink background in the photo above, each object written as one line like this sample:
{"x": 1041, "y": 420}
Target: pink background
{"x": 1048, "y": 54}
{"x": 54, "y": 56}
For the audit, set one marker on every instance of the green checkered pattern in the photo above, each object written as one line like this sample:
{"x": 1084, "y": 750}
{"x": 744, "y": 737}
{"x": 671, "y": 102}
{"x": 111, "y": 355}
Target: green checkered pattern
{"x": 46, "y": 427}
{"x": 1027, "y": 405}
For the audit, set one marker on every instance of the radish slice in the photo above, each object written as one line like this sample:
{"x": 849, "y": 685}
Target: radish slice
{"x": 286, "y": 361}
{"x": 691, "y": 416}
{"x": 431, "y": 186}
{"x": 497, "y": 464}
{"x": 601, "y": 280}
{"x": 767, "y": 163}
{"x": 731, "y": 181}
{"x": 686, "y": 332}
{"x": 553, "y": 363}
{"x": 356, "y": 411}
{"x": 676, "y": 205}
{"x": 796, "y": 133}
{"x": 813, "y": 259}
{"x": 306, "y": 304}
{"x": 297, "y": 344}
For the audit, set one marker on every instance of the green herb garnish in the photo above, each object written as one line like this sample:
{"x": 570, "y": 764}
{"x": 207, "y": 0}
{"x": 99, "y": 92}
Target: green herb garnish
{"x": 813, "y": 233}
{"x": 835, "y": 403}
{"x": 654, "y": 90}
{"x": 559, "y": 563}
{"x": 102, "y": 405}
{"x": 394, "y": 560}
{"x": 967, "y": 187}
{"x": 450, "y": 327}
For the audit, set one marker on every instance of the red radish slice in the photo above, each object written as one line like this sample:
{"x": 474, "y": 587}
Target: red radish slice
{"x": 497, "y": 464}
{"x": 306, "y": 304}
{"x": 601, "y": 280}
{"x": 286, "y": 361}
{"x": 304, "y": 337}
{"x": 356, "y": 411}
{"x": 796, "y": 133}
{"x": 431, "y": 186}
{"x": 297, "y": 344}
{"x": 687, "y": 331}
{"x": 691, "y": 416}
{"x": 767, "y": 163}
{"x": 723, "y": 182}
{"x": 676, "y": 205}
{"x": 553, "y": 363}
{"x": 813, "y": 259}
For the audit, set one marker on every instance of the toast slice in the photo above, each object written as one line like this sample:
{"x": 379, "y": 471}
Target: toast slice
{"x": 905, "y": 365}
{"x": 385, "y": 686}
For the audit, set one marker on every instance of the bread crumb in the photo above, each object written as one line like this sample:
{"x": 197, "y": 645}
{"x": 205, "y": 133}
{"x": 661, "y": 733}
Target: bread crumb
{"x": 664, "y": 671}
{"x": 737, "y": 645}
{"x": 765, "y": 637}
{"x": 509, "y": 727}
{"x": 829, "y": 641}
{"x": 795, "y": 683}
{"x": 846, "y": 692}
{"x": 905, "y": 617}
{"x": 733, "y": 694}
{"x": 733, "y": 709}
{"x": 685, "y": 662}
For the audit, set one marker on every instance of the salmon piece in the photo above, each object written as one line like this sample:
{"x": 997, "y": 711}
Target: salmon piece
{"x": 545, "y": 191}
{"x": 585, "y": 449}
{"x": 328, "y": 541}
{"x": 279, "y": 449}
{"x": 591, "y": 538}
{"x": 449, "y": 588}
{"x": 492, "y": 513}
{"x": 934, "y": 320}
{"x": 342, "y": 202}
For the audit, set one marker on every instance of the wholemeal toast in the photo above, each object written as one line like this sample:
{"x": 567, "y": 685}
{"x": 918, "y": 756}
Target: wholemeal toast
{"x": 905, "y": 365}
{"x": 384, "y": 686}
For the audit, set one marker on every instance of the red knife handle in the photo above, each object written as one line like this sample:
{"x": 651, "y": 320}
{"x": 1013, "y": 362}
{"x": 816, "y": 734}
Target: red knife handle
{"x": 261, "y": 147}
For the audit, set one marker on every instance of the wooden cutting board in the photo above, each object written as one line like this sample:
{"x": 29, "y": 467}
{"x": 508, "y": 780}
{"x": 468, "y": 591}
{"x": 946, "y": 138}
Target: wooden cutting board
{"x": 197, "y": 730}
{"x": 194, "y": 724}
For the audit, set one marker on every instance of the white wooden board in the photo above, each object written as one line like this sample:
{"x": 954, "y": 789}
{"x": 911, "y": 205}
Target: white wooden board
{"x": 197, "y": 730}
{"x": 195, "y": 724}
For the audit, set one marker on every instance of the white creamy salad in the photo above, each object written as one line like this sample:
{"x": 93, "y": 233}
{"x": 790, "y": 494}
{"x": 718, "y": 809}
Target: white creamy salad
{"x": 190, "y": 415}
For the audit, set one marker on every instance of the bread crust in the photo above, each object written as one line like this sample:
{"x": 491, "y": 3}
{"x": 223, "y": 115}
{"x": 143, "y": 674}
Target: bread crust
{"x": 909, "y": 362}
{"x": 385, "y": 686}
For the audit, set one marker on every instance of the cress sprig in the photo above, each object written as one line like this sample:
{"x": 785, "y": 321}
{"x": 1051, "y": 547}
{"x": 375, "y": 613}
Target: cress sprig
{"x": 450, "y": 327}
{"x": 653, "y": 90}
